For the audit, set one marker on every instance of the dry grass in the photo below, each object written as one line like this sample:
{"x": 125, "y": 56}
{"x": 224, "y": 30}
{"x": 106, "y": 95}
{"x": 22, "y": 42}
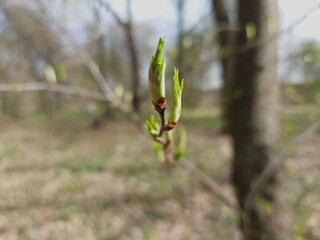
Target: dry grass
{"x": 63, "y": 180}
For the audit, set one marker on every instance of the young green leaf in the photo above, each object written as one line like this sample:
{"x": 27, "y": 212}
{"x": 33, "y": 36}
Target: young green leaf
{"x": 159, "y": 152}
{"x": 157, "y": 77}
{"x": 177, "y": 93}
{"x": 182, "y": 142}
{"x": 153, "y": 127}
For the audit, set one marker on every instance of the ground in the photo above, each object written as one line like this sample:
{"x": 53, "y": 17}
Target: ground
{"x": 61, "y": 179}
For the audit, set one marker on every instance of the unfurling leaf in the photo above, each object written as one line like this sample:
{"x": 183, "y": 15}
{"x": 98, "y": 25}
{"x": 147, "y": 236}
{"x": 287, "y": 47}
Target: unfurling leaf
{"x": 153, "y": 127}
{"x": 157, "y": 77}
{"x": 159, "y": 152}
{"x": 182, "y": 142}
{"x": 177, "y": 93}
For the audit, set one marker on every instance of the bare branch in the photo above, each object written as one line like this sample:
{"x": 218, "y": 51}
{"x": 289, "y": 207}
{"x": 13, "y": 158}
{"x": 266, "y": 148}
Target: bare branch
{"x": 213, "y": 186}
{"x": 276, "y": 36}
{"x": 107, "y": 6}
{"x": 221, "y": 27}
{"x": 50, "y": 87}
{"x": 276, "y": 164}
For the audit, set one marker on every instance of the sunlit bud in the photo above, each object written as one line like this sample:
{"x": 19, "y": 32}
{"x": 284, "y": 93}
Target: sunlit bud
{"x": 182, "y": 142}
{"x": 177, "y": 92}
{"x": 159, "y": 152}
{"x": 157, "y": 78}
{"x": 153, "y": 127}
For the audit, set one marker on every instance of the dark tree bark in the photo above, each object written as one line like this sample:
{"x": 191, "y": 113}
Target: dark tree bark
{"x": 136, "y": 101}
{"x": 254, "y": 122}
{"x": 133, "y": 52}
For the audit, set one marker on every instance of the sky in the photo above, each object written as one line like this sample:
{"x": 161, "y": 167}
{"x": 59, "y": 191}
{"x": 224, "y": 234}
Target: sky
{"x": 162, "y": 14}
{"x": 290, "y": 10}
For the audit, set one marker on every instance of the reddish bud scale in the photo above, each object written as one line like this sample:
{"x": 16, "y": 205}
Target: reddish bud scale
{"x": 170, "y": 126}
{"x": 161, "y": 102}
{"x": 173, "y": 124}
{"x": 160, "y": 105}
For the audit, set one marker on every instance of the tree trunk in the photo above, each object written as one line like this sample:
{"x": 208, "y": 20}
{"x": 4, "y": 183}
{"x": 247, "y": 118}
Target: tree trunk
{"x": 254, "y": 121}
{"x": 136, "y": 101}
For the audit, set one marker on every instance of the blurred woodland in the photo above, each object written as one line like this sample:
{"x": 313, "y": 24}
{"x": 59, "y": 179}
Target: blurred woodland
{"x": 76, "y": 161}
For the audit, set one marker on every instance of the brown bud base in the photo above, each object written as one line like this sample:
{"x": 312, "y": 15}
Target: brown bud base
{"x": 172, "y": 124}
{"x": 160, "y": 105}
{"x": 159, "y": 109}
{"x": 161, "y": 101}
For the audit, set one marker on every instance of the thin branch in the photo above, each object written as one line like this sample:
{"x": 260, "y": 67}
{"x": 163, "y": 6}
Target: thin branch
{"x": 213, "y": 186}
{"x": 276, "y": 36}
{"x": 107, "y": 6}
{"x": 111, "y": 99}
{"x": 254, "y": 43}
{"x": 276, "y": 164}
{"x": 52, "y": 87}
{"x": 163, "y": 121}
{"x": 196, "y": 25}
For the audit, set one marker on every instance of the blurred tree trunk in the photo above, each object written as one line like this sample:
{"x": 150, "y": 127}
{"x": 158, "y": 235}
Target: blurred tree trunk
{"x": 136, "y": 101}
{"x": 108, "y": 112}
{"x": 254, "y": 122}
{"x": 133, "y": 52}
{"x": 101, "y": 47}
{"x": 226, "y": 37}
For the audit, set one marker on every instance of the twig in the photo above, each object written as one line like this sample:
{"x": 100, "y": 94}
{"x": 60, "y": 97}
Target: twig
{"x": 255, "y": 43}
{"x": 207, "y": 182}
{"x": 52, "y": 87}
{"x": 107, "y": 6}
{"x": 163, "y": 120}
{"x": 276, "y": 164}
{"x": 166, "y": 145}
{"x": 111, "y": 99}
{"x": 276, "y": 36}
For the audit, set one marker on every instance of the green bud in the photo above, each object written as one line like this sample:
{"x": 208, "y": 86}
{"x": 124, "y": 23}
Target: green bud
{"x": 159, "y": 152}
{"x": 153, "y": 127}
{"x": 157, "y": 77}
{"x": 177, "y": 92}
{"x": 182, "y": 142}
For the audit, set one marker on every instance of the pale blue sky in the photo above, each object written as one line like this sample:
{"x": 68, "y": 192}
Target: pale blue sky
{"x": 290, "y": 10}
{"x": 162, "y": 14}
